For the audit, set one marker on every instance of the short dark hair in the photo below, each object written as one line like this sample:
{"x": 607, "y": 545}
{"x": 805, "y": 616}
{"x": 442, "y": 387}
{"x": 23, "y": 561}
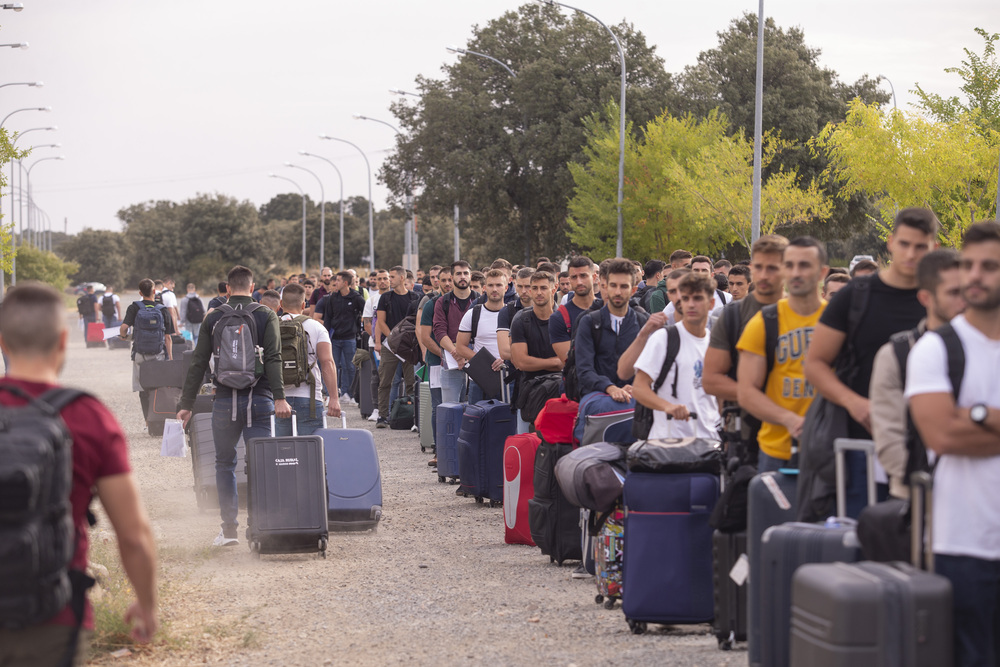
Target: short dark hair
{"x": 863, "y": 265}
{"x": 620, "y": 266}
{"x": 346, "y": 275}
{"x": 309, "y": 282}
{"x": 679, "y": 254}
{"x": 436, "y": 267}
{"x": 146, "y": 287}
{"x": 223, "y": 286}
{"x": 741, "y": 270}
{"x": 548, "y": 267}
{"x": 240, "y": 277}
{"x": 398, "y": 270}
{"x": 933, "y": 264}
{"x": 525, "y": 272}
{"x": 678, "y": 273}
{"x": 32, "y": 318}
{"x": 919, "y": 218}
{"x": 426, "y": 281}
{"x": 721, "y": 281}
{"x": 652, "y": 267}
{"x": 769, "y": 243}
{"x": 293, "y": 295}
{"x": 460, "y": 263}
{"x": 564, "y": 274}
{"x": 981, "y": 232}
{"x": 839, "y": 269}
{"x": 445, "y": 269}
{"x": 810, "y": 242}
{"x": 543, "y": 275}
{"x": 477, "y": 275}
{"x": 702, "y": 259}
{"x": 835, "y": 278}
{"x": 581, "y": 262}
{"x": 697, "y": 282}
{"x": 723, "y": 264}
{"x": 542, "y": 260}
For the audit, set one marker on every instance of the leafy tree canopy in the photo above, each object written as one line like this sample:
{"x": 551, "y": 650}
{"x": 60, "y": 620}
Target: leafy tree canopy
{"x": 100, "y": 255}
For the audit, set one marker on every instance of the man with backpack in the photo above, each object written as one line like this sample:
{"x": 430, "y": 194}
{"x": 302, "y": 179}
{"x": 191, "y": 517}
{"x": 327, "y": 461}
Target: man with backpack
{"x": 192, "y": 312}
{"x": 393, "y": 306}
{"x": 532, "y": 353}
{"x": 340, "y": 311}
{"x": 770, "y": 381}
{"x": 479, "y": 328}
{"x": 73, "y": 453}
{"x": 243, "y": 339}
{"x": 306, "y": 363}
{"x": 151, "y": 331}
{"x": 448, "y": 312}
{"x": 561, "y": 323}
{"x": 110, "y": 307}
{"x": 86, "y": 308}
{"x": 940, "y": 291}
{"x": 961, "y": 424}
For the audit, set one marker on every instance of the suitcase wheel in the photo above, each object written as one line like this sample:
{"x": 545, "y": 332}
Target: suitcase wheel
{"x": 496, "y": 503}
{"x": 453, "y": 480}
{"x": 637, "y": 627}
{"x": 322, "y": 547}
{"x": 609, "y": 603}
{"x": 479, "y": 500}
{"x": 440, "y": 479}
{"x": 598, "y": 599}
{"x": 726, "y": 641}
{"x": 422, "y": 449}
{"x": 255, "y": 550}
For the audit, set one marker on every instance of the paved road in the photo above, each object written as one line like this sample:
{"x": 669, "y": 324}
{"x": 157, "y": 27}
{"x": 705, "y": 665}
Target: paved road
{"x": 434, "y": 585}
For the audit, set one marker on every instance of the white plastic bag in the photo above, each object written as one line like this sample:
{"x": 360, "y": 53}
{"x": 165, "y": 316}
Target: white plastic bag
{"x": 173, "y": 443}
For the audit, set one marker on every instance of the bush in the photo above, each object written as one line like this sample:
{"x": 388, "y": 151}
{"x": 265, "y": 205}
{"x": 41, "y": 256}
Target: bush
{"x": 35, "y": 264}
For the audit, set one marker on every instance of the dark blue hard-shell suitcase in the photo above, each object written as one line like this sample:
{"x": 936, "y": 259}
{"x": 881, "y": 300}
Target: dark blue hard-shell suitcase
{"x": 668, "y": 548}
{"x": 449, "y": 424}
{"x": 353, "y": 478}
{"x": 485, "y": 427}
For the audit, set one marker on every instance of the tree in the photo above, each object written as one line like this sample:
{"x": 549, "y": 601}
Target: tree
{"x": 100, "y": 255}
{"x": 981, "y": 74}
{"x": 498, "y": 145}
{"x": 7, "y": 153}
{"x": 905, "y": 160}
{"x": 46, "y": 267}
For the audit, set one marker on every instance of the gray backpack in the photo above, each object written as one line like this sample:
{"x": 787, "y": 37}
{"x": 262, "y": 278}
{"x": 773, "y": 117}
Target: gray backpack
{"x": 239, "y": 359}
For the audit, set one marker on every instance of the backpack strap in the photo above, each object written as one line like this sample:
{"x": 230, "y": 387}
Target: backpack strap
{"x": 956, "y": 357}
{"x": 770, "y": 315}
{"x": 733, "y": 330}
{"x": 477, "y": 312}
{"x": 860, "y": 291}
{"x": 673, "y": 348}
{"x": 564, "y": 311}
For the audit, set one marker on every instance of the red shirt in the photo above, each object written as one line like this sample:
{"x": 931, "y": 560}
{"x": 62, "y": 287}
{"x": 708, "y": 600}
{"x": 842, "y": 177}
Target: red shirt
{"x": 99, "y": 450}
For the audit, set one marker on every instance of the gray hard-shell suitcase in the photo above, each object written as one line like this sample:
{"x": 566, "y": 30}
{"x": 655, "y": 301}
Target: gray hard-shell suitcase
{"x": 426, "y": 417}
{"x": 874, "y": 614}
{"x": 286, "y": 495}
{"x": 786, "y": 547}
{"x": 203, "y": 462}
{"x": 353, "y": 479}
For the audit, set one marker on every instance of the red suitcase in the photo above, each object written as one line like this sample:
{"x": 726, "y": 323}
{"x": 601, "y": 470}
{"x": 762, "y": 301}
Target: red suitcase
{"x": 518, "y": 486}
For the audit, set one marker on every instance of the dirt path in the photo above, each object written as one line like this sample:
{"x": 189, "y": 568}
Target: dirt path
{"x": 435, "y": 585}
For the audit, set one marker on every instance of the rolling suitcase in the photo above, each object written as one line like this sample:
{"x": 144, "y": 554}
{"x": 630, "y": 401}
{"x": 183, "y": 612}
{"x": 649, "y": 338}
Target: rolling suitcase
{"x": 609, "y": 549}
{"x": 873, "y": 614}
{"x": 203, "y": 403}
{"x": 449, "y": 424}
{"x": 786, "y": 547}
{"x": 203, "y": 463}
{"x": 167, "y": 373}
{"x": 425, "y": 411}
{"x": 286, "y": 495}
{"x": 518, "y": 486}
{"x": 485, "y": 427}
{"x": 668, "y": 548}
{"x": 95, "y": 334}
{"x": 553, "y": 521}
{"x": 162, "y": 406}
{"x": 353, "y": 478}
{"x": 730, "y": 624}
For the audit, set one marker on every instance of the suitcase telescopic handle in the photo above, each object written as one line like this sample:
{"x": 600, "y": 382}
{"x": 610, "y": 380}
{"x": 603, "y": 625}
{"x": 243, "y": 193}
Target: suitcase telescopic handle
{"x": 921, "y": 511}
{"x": 840, "y": 447}
{"x": 295, "y": 426}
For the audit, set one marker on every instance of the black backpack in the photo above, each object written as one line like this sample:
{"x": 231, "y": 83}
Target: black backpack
{"x": 36, "y": 515}
{"x": 571, "y": 381}
{"x": 85, "y": 305}
{"x": 195, "y": 310}
{"x": 108, "y": 305}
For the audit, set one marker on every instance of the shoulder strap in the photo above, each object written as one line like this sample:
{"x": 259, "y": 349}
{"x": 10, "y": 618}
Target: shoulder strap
{"x": 477, "y": 312}
{"x": 732, "y": 314}
{"x": 60, "y": 397}
{"x": 859, "y": 304}
{"x": 673, "y": 347}
{"x": 770, "y": 315}
{"x": 564, "y": 311}
{"x": 956, "y": 357}
{"x": 902, "y": 342}
{"x": 298, "y": 318}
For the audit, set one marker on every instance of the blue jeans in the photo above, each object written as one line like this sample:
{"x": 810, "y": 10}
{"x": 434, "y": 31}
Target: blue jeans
{"x": 109, "y": 321}
{"x": 343, "y": 357}
{"x": 303, "y": 423}
{"x": 475, "y": 392}
{"x": 976, "y": 586}
{"x": 766, "y": 463}
{"x": 226, "y": 433}
{"x": 452, "y": 385}
{"x": 857, "y": 484}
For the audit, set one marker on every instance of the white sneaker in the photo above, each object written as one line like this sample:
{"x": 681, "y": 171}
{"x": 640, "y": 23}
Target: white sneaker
{"x": 222, "y": 541}
{"x": 373, "y": 417}
{"x": 345, "y": 399}
{"x": 414, "y": 429}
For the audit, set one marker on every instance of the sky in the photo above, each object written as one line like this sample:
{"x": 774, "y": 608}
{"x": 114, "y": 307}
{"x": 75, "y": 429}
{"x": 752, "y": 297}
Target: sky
{"x": 159, "y": 100}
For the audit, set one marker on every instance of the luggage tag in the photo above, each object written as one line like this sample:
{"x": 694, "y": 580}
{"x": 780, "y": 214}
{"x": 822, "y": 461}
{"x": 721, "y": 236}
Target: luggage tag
{"x": 741, "y": 570}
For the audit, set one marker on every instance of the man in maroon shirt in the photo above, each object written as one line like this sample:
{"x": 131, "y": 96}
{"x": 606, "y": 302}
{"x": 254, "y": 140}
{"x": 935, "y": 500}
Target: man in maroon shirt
{"x": 33, "y": 335}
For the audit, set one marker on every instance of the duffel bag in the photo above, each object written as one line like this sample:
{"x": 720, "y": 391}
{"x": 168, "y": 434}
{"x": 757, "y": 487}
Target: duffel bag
{"x": 592, "y": 477}
{"x": 671, "y": 455}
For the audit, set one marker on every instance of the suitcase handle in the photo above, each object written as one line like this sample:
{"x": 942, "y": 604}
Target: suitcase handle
{"x": 295, "y": 426}
{"x": 921, "y": 512}
{"x": 840, "y": 447}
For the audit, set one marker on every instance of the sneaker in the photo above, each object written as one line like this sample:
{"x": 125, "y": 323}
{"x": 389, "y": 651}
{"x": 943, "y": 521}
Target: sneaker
{"x": 382, "y": 423}
{"x": 580, "y": 573}
{"x": 373, "y": 417}
{"x": 345, "y": 399}
{"x": 222, "y": 541}
{"x": 414, "y": 429}
{"x": 433, "y": 462}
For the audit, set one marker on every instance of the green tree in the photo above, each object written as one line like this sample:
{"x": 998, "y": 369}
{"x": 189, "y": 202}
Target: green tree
{"x": 100, "y": 255}
{"x": 903, "y": 159}
{"x": 498, "y": 146}
{"x": 7, "y": 153}
{"x": 46, "y": 267}
{"x": 981, "y": 77}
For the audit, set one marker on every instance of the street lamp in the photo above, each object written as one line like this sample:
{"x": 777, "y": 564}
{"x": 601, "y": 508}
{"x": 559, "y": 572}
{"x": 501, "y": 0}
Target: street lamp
{"x": 33, "y": 84}
{"x": 322, "y": 216}
{"x": 28, "y": 188}
{"x": 17, "y": 45}
{"x": 371, "y": 221}
{"x": 303, "y": 193}
{"x": 13, "y": 143}
{"x": 891, "y": 87}
{"x": 621, "y": 111}
{"x": 341, "y": 178}
{"x": 461, "y": 51}
{"x": 397, "y": 91}
{"x": 758, "y": 126}
{"x": 24, "y": 109}
{"x": 16, "y": 6}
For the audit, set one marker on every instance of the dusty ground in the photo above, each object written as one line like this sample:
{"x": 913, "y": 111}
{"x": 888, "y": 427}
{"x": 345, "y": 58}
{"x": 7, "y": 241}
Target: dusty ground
{"x": 435, "y": 585}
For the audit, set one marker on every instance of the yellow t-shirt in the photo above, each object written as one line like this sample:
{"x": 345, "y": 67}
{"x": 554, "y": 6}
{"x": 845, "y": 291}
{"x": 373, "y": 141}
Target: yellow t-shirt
{"x": 786, "y": 384}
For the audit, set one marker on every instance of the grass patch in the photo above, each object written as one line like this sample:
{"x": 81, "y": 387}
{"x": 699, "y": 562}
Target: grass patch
{"x": 111, "y": 632}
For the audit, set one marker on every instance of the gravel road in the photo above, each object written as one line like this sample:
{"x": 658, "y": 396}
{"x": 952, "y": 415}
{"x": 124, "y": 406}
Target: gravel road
{"x": 435, "y": 585}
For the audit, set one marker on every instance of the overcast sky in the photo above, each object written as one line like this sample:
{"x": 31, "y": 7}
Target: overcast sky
{"x": 162, "y": 100}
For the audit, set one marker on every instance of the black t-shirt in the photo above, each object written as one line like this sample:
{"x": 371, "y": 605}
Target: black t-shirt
{"x": 217, "y": 301}
{"x": 341, "y": 314}
{"x": 527, "y": 328}
{"x": 396, "y": 306}
{"x": 889, "y": 310}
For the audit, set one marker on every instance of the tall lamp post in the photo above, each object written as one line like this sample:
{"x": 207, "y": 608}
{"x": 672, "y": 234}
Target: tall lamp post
{"x": 758, "y": 124}
{"x": 341, "y": 178}
{"x": 24, "y": 109}
{"x": 13, "y": 143}
{"x": 371, "y": 220}
{"x": 409, "y": 240}
{"x": 892, "y": 88}
{"x": 33, "y": 84}
{"x": 28, "y": 188}
{"x": 303, "y": 193}
{"x": 29, "y": 205}
{"x": 322, "y": 216}
{"x": 16, "y": 45}
{"x": 621, "y": 125}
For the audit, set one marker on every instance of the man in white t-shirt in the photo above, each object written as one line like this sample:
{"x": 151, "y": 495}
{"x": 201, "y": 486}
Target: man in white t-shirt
{"x": 485, "y": 328}
{"x": 320, "y": 355}
{"x": 965, "y": 434}
{"x": 170, "y": 301}
{"x": 693, "y": 413}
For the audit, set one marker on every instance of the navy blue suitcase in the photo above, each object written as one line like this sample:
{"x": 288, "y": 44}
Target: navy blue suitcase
{"x": 353, "y": 479}
{"x": 667, "y": 568}
{"x": 485, "y": 427}
{"x": 449, "y": 424}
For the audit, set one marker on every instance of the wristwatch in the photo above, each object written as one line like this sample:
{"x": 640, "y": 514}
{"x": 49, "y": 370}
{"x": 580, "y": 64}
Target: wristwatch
{"x": 978, "y": 414}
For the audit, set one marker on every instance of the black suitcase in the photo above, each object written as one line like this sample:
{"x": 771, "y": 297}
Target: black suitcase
{"x": 203, "y": 403}
{"x": 730, "y": 624}
{"x": 203, "y": 463}
{"x": 286, "y": 495}
{"x": 554, "y": 522}
{"x": 167, "y": 373}
{"x": 162, "y": 406}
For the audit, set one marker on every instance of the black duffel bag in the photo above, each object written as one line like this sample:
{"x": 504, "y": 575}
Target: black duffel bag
{"x": 667, "y": 455}
{"x": 592, "y": 477}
